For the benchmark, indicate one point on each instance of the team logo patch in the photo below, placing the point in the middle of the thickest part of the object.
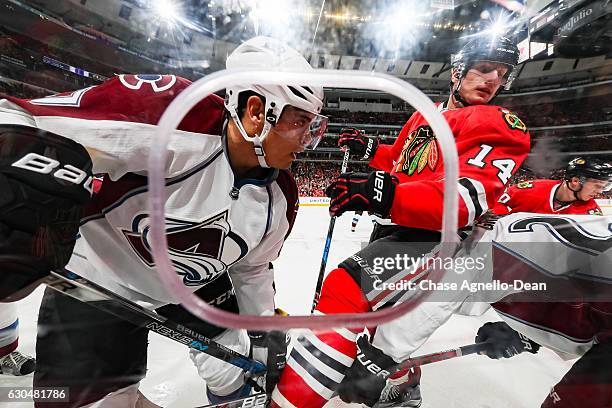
(524, 184)
(513, 121)
(420, 150)
(595, 211)
(200, 251)
(158, 83)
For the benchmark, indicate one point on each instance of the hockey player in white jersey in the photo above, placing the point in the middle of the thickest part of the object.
(231, 203)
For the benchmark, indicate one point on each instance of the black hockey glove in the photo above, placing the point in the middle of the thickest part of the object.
(504, 342)
(45, 180)
(367, 377)
(271, 349)
(371, 192)
(360, 145)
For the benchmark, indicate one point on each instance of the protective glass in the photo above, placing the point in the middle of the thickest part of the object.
(297, 123)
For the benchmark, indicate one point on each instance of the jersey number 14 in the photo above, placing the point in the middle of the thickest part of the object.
(505, 166)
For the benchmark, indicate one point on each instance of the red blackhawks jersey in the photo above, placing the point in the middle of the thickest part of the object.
(491, 141)
(539, 196)
(209, 232)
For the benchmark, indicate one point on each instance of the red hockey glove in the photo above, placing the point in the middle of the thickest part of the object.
(360, 145)
(372, 192)
(365, 380)
(504, 342)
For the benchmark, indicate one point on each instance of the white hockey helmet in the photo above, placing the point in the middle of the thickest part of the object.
(271, 54)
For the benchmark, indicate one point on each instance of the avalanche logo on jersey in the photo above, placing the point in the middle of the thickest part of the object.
(158, 83)
(200, 251)
(420, 150)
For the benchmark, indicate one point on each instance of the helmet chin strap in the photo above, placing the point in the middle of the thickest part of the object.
(257, 140)
(457, 95)
(574, 191)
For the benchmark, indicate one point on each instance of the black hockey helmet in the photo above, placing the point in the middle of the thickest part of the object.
(498, 49)
(589, 168)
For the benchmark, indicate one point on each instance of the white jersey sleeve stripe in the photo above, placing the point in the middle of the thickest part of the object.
(328, 350)
(315, 385)
(280, 399)
(474, 196)
(314, 361)
(347, 334)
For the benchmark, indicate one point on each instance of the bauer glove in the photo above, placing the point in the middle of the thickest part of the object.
(367, 377)
(503, 341)
(360, 145)
(371, 192)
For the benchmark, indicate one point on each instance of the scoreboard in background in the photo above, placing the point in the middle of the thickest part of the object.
(576, 28)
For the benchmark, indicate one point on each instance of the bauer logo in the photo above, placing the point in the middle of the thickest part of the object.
(379, 182)
(37, 163)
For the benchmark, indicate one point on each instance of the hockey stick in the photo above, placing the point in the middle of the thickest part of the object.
(442, 355)
(330, 231)
(259, 400)
(81, 289)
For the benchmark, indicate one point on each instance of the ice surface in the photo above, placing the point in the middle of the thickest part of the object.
(465, 382)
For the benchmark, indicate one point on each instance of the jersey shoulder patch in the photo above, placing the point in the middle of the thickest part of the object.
(524, 184)
(512, 120)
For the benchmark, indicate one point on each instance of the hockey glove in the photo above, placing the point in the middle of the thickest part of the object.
(269, 348)
(367, 377)
(45, 180)
(371, 192)
(360, 145)
(504, 342)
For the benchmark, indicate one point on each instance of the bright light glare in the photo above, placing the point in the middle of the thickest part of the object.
(166, 10)
(500, 25)
(270, 16)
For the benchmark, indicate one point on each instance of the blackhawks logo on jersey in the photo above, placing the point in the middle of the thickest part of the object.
(513, 121)
(420, 150)
(595, 211)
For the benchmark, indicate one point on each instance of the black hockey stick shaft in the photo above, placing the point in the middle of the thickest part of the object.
(328, 239)
(81, 289)
(442, 355)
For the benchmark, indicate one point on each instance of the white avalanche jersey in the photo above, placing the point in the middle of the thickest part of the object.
(571, 254)
(209, 233)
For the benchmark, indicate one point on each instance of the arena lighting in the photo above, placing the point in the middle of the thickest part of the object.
(270, 15)
(166, 10)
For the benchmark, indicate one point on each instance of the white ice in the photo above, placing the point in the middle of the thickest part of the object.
(464, 382)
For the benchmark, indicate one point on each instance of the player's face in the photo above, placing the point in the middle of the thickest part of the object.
(482, 81)
(592, 188)
(288, 138)
(295, 130)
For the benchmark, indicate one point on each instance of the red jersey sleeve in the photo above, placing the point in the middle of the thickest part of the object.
(504, 204)
(491, 147)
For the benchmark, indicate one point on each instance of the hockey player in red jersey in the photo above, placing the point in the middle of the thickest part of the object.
(231, 203)
(492, 142)
(584, 179)
(580, 328)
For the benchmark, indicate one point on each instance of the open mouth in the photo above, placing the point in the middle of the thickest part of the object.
(483, 92)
